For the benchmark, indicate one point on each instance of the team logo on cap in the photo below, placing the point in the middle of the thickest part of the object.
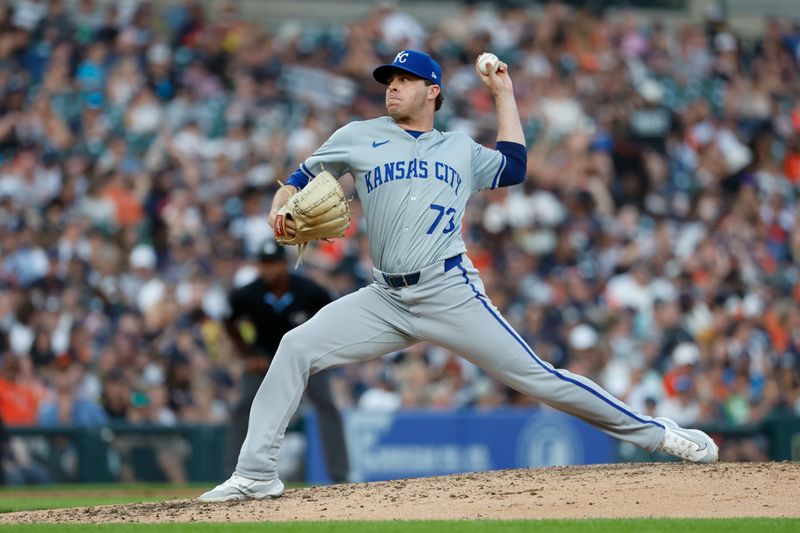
(433, 75)
(401, 57)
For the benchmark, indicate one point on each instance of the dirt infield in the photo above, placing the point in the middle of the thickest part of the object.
(679, 490)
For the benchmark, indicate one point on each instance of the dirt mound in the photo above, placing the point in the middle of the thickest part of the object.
(680, 490)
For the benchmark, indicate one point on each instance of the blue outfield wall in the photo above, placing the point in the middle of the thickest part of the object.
(428, 443)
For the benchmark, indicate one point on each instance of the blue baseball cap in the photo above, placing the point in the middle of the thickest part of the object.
(417, 63)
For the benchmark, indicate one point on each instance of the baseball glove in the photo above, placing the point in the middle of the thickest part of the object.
(319, 211)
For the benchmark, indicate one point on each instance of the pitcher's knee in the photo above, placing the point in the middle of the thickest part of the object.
(294, 347)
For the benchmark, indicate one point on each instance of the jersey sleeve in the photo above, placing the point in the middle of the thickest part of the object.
(487, 165)
(333, 155)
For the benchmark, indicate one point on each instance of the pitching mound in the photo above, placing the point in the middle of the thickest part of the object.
(679, 490)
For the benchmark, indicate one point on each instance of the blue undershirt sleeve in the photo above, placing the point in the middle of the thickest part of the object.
(298, 179)
(516, 163)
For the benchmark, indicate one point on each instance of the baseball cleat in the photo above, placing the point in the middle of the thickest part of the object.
(241, 488)
(688, 444)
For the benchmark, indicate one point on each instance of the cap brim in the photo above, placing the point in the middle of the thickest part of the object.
(384, 72)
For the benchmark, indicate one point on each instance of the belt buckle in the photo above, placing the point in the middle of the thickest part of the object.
(398, 281)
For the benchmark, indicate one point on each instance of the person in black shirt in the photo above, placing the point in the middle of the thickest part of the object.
(276, 302)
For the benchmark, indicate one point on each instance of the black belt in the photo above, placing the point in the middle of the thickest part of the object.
(398, 281)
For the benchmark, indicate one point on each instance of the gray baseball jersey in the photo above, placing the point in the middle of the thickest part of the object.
(414, 191)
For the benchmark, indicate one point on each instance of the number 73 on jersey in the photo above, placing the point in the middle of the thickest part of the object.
(441, 212)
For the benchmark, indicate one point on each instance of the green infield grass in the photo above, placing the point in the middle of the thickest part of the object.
(30, 497)
(649, 525)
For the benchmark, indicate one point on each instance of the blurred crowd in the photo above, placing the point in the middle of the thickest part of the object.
(654, 246)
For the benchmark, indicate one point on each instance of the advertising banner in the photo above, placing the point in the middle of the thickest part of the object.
(407, 444)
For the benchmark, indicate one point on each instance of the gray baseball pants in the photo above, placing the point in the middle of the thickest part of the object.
(329, 419)
(448, 307)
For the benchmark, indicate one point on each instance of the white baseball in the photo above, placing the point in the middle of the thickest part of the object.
(488, 57)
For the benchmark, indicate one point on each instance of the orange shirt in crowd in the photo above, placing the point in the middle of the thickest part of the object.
(791, 167)
(19, 404)
(129, 210)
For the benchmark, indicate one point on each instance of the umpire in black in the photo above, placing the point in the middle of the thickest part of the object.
(276, 302)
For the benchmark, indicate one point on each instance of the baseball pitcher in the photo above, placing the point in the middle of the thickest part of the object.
(414, 183)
